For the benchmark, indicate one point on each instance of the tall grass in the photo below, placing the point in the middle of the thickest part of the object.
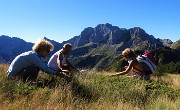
(163, 103)
(171, 80)
(90, 90)
(3, 68)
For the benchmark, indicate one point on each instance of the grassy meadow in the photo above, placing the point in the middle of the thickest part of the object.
(91, 90)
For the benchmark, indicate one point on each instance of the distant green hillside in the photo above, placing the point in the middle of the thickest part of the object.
(176, 45)
(98, 57)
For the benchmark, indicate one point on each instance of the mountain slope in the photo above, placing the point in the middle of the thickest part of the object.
(12, 47)
(176, 45)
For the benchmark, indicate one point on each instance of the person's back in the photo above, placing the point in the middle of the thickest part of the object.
(147, 64)
(21, 61)
(60, 59)
(53, 63)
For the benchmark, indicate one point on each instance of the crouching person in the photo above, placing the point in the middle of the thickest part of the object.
(139, 69)
(60, 60)
(26, 66)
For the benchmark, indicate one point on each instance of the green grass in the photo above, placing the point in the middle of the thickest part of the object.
(91, 90)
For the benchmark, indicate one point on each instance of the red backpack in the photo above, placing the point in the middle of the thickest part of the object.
(152, 58)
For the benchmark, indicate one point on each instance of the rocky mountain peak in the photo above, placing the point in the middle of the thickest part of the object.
(166, 42)
(103, 26)
(113, 35)
(87, 31)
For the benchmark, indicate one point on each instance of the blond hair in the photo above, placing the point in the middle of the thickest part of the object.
(128, 52)
(42, 45)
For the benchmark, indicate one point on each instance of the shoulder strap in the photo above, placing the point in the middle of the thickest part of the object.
(134, 67)
(143, 60)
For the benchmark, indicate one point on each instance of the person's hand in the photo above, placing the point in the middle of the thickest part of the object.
(82, 71)
(65, 71)
(111, 74)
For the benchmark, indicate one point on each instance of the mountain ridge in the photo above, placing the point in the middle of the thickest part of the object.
(96, 45)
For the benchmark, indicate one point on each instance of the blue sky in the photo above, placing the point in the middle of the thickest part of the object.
(61, 20)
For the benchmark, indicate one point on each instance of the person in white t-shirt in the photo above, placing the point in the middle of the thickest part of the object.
(59, 60)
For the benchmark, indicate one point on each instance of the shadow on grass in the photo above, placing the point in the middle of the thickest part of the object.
(81, 91)
(78, 90)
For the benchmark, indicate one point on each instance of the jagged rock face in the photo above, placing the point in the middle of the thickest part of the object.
(108, 34)
(74, 41)
(138, 35)
(102, 33)
(166, 42)
(85, 36)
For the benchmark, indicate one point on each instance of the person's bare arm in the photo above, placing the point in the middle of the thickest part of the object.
(59, 61)
(128, 68)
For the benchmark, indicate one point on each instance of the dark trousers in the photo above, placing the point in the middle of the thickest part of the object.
(28, 74)
(66, 68)
(146, 75)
